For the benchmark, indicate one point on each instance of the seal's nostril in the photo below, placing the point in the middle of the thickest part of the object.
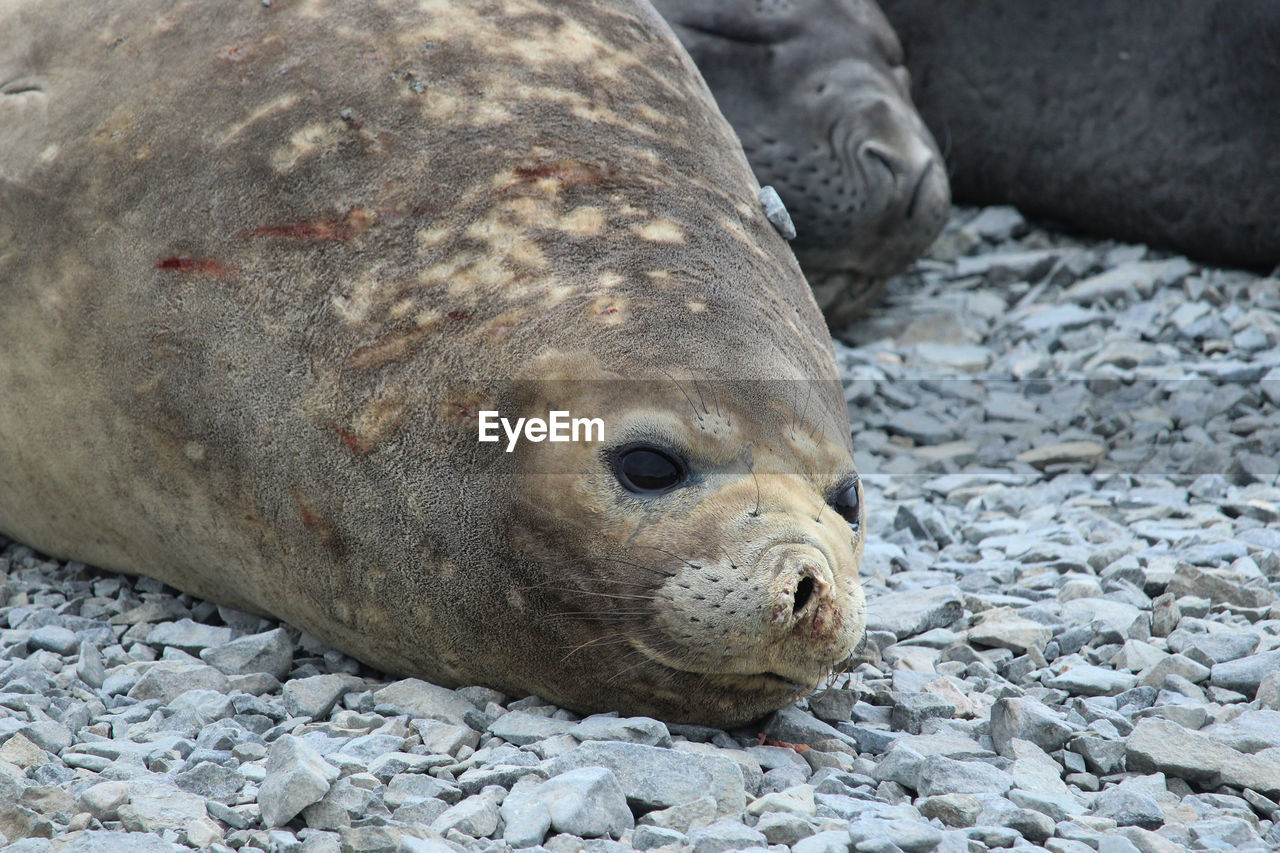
(881, 157)
(804, 591)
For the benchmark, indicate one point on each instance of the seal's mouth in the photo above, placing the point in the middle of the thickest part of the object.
(767, 681)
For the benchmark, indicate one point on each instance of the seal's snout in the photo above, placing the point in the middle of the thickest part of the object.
(899, 156)
(802, 586)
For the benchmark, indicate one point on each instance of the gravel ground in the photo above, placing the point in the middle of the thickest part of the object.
(1069, 450)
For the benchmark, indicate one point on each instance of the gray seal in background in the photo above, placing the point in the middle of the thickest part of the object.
(1153, 121)
(818, 94)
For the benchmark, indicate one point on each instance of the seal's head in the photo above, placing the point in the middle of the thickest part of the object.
(705, 553)
(818, 93)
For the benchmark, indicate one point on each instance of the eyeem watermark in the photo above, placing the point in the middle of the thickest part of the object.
(558, 426)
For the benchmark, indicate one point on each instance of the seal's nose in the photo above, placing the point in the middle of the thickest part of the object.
(908, 164)
(803, 593)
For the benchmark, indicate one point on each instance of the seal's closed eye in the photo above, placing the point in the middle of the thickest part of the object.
(648, 470)
(848, 503)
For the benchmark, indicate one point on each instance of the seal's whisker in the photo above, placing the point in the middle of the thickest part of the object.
(607, 640)
(684, 393)
(671, 555)
(751, 466)
(620, 595)
(715, 400)
(638, 566)
(697, 390)
(805, 411)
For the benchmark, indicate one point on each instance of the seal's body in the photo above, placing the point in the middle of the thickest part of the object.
(262, 267)
(818, 93)
(1155, 122)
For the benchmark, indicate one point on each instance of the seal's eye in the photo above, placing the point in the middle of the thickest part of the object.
(648, 470)
(848, 504)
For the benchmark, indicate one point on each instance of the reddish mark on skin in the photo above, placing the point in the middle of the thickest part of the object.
(797, 747)
(309, 519)
(568, 173)
(353, 222)
(352, 441)
(612, 309)
(199, 266)
(459, 316)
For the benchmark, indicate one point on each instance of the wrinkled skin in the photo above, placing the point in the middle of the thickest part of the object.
(1146, 121)
(261, 267)
(819, 96)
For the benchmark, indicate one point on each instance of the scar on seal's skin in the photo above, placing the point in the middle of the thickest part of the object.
(353, 222)
(199, 266)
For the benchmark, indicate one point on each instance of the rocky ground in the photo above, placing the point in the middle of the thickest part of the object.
(1070, 454)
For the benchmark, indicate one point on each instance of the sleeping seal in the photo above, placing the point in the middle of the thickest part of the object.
(1152, 122)
(262, 269)
(819, 95)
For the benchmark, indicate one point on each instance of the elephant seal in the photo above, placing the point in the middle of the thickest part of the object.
(1148, 121)
(818, 94)
(262, 269)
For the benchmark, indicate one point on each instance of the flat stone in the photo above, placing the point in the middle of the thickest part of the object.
(111, 841)
(1218, 586)
(796, 800)
(477, 816)
(905, 614)
(997, 223)
(49, 735)
(1003, 628)
(643, 730)
(942, 775)
(315, 696)
(910, 710)
(829, 841)
(908, 835)
(1063, 453)
(444, 738)
(53, 638)
(587, 802)
(104, 799)
(1087, 680)
(1128, 808)
(188, 635)
(297, 776)
(211, 781)
(952, 809)
(684, 817)
(920, 426)
(153, 808)
(725, 835)
(270, 652)
(1251, 731)
(656, 778)
(1245, 674)
(522, 727)
(784, 827)
(653, 837)
(1159, 745)
(1125, 619)
(1026, 719)
(21, 751)
(168, 681)
(421, 699)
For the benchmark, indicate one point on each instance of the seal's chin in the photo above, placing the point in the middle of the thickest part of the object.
(755, 682)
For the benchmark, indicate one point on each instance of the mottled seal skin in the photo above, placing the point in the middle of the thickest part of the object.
(1142, 121)
(260, 268)
(818, 94)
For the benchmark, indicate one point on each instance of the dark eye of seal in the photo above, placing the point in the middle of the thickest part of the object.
(848, 504)
(648, 470)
